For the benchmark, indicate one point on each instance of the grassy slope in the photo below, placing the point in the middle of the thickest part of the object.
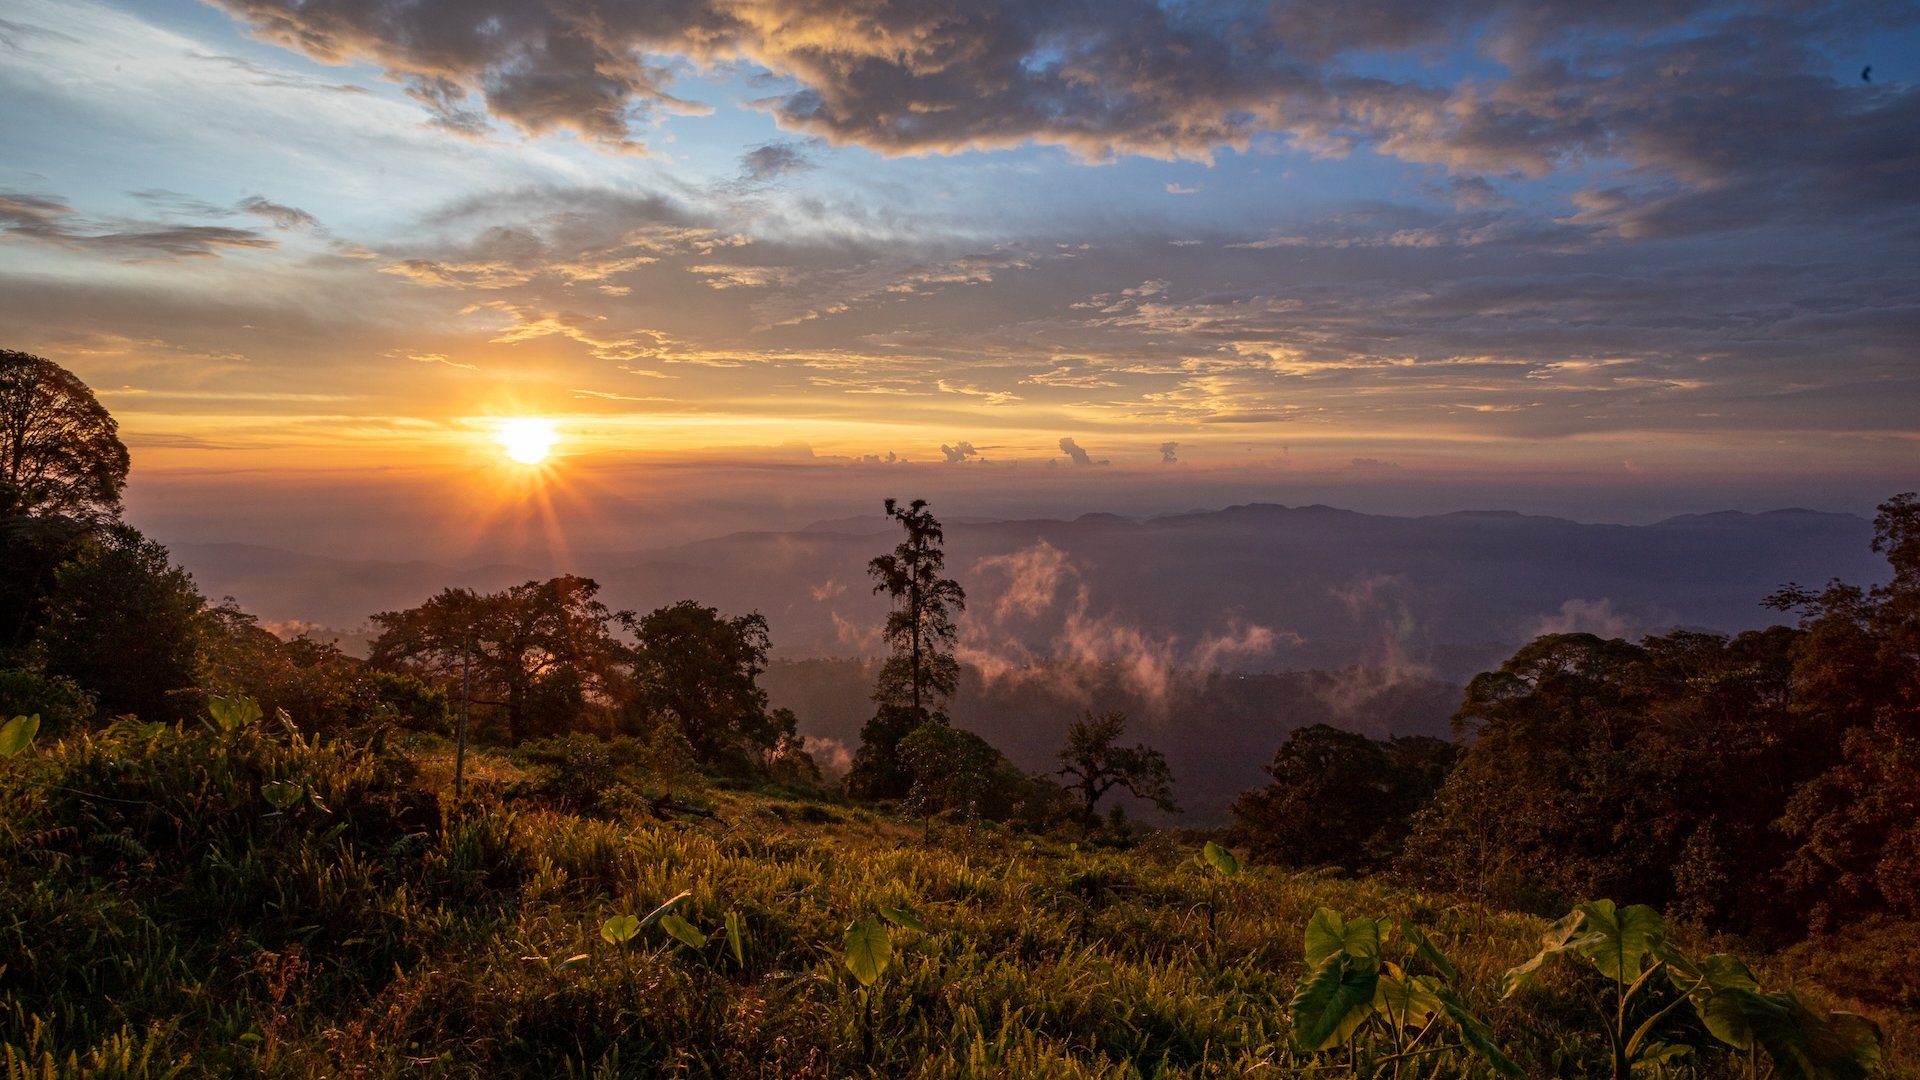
(155, 914)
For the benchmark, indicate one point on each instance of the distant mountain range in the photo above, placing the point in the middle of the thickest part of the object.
(1218, 632)
(1249, 588)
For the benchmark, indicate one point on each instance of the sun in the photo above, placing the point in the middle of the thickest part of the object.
(528, 439)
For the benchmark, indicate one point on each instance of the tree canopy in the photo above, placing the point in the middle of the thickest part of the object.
(1094, 765)
(541, 653)
(60, 450)
(698, 670)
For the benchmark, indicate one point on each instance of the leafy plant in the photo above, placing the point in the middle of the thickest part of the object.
(1354, 997)
(868, 953)
(1224, 865)
(230, 714)
(620, 929)
(17, 734)
(1629, 947)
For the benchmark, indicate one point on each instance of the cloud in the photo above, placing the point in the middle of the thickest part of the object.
(1176, 189)
(956, 455)
(1577, 616)
(775, 159)
(1695, 100)
(51, 221)
(281, 217)
(1167, 453)
(1077, 455)
(1042, 585)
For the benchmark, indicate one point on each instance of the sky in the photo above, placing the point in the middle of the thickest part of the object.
(762, 262)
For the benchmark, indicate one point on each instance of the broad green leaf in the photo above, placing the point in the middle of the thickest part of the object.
(1403, 1000)
(1561, 936)
(232, 713)
(661, 911)
(1802, 1044)
(1476, 1034)
(1220, 859)
(869, 950)
(1618, 941)
(619, 929)
(737, 937)
(682, 931)
(282, 794)
(1333, 1001)
(903, 918)
(1327, 934)
(1428, 951)
(17, 734)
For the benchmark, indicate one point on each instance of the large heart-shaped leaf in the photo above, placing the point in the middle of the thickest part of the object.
(1327, 934)
(1406, 1001)
(869, 950)
(1220, 859)
(1618, 941)
(682, 931)
(232, 713)
(1803, 1044)
(619, 929)
(17, 734)
(1333, 1001)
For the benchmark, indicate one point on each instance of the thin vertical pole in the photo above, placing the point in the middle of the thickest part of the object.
(460, 740)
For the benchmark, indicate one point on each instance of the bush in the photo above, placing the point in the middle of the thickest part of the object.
(60, 703)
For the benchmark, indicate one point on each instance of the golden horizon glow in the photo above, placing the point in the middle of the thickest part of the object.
(528, 440)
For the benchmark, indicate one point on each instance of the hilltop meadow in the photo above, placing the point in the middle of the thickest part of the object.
(528, 834)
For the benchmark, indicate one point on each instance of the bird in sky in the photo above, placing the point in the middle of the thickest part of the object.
(1866, 73)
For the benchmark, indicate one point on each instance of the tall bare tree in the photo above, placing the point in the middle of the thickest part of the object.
(922, 671)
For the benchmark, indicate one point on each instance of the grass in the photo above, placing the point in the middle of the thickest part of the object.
(159, 918)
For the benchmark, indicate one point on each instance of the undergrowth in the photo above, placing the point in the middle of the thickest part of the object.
(240, 900)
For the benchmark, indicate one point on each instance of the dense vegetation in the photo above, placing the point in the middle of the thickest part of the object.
(229, 854)
(234, 898)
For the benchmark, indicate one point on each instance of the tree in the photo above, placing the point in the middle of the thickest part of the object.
(922, 670)
(541, 653)
(699, 670)
(60, 450)
(317, 684)
(953, 771)
(128, 626)
(1857, 676)
(1096, 766)
(1340, 798)
(32, 550)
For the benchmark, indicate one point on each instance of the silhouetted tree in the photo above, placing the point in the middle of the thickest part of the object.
(1340, 798)
(1857, 672)
(32, 548)
(699, 670)
(128, 626)
(953, 771)
(60, 450)
(922, 671)
(541, 652)
(320, 687)
(1095, 766)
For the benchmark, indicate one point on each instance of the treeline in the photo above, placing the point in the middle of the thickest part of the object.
(1763, 783)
